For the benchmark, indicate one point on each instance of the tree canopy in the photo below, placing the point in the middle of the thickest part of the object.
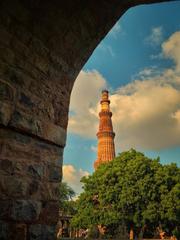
(66, 194)
(132, 190)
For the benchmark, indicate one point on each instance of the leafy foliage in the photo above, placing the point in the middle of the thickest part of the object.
(132, 190)
(66, 203)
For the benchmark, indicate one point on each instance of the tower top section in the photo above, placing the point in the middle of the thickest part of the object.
(105, 90)
(105, 101)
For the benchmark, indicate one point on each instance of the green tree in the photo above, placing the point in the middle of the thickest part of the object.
(66, 202)
(131, 190)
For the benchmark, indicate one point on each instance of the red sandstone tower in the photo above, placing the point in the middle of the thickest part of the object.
(105, 135)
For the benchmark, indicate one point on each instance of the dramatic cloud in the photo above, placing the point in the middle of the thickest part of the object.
(73, 176)
(147, 73)
(171, 49)
(84, 99)
(146, 112)
(146, 115)
(156, 36)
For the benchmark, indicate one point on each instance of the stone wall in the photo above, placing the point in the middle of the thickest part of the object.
(34, 99)
(28, 184)
(43, 46)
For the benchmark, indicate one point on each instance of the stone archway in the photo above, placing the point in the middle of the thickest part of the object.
(43, 46)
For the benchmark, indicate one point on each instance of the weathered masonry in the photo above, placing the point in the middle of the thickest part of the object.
(43, 46)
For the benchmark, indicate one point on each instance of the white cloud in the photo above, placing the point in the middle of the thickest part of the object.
(146, 115)
(84, 99)
(72, 177)
(147, 73)
(156, 56)
(155, 37)
(171, 49)
(146, 112)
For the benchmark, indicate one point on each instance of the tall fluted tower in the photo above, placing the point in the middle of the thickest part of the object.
(105, 135)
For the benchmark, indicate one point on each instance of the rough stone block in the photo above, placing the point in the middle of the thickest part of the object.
(50, 212)
(18, 232)
(6, 111)
(42, 64)
(18, 137)
(40, 128)
(54, 174)
(36, 171)
(5, 209)
(59, 160)
(33, 187)
(4, 231)
(12, 186)
(50, 154)
(26, 100)
(19, 167)
(7, 166)
(25, 122)
(26, 210)
(7, 54)
(6, 91)
(49, 191)
(54, 133)
(42, 232)
(54, 191)
(5, 36)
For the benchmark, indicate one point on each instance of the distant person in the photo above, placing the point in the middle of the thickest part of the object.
(162, 234)
(173, 238)
(131, 235)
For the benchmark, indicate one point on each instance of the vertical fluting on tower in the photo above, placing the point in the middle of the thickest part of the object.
(105, 135)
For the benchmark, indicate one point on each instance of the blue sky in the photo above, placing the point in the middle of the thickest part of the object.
(139, 62)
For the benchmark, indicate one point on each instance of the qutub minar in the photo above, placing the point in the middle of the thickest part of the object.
(105, 135)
